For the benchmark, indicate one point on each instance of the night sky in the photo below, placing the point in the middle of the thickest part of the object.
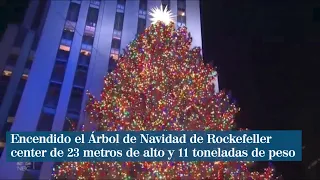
(266, 54)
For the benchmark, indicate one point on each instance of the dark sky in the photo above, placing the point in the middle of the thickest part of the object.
(11, 11)
(267, 55)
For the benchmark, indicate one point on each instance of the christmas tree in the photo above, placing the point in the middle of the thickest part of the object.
(161, 84)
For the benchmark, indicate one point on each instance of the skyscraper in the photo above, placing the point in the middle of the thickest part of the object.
(78, 43)
(18, 47)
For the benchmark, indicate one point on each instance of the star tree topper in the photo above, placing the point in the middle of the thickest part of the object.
(161, 14)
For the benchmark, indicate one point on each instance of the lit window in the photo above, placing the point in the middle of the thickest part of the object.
(114, 51)
(95, 3)
(181, 17)
(7, 73)
(89, 30)
(10, 119)
(64, 48)
(120, 8)
(117, 34)
(25, 76)
(70, 26)
(76, 1)
(181, 13)
(142, 14)
(114, 56)
(85, 52)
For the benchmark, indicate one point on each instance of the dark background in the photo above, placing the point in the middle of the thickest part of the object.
(267, 55)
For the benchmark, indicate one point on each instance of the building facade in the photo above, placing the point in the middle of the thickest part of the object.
(73, 55)
(18, 47)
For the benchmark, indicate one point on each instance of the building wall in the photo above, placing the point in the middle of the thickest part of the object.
(73, 54)
(17, 47)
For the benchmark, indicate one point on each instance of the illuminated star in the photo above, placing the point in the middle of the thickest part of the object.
(161, 14)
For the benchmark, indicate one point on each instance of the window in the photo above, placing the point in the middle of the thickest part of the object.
(53, 94)
(181, 24)
(67, 34)
(95, 3)
(121, 2)
(115, 44)
(92, 17)
(10, 119)
(7, 73)
(25, 76)
(89, 31)
(63, 52)
(181, 12)
(58, 71)
(143, 4)
(45, 122)
(64, 48)
(73, 12)
(75, 101)
(116, 34)
(70, 26)
(141, 25)
(12, 60)
(86, 47)
(118, 23)
(166, 3)
(87, 40)
(181, 4)
(22, 33)
(114, 53)
(84, 58)
(112, 65)
(80, 77)
(120, 6)
(142, 14)
(181, 17)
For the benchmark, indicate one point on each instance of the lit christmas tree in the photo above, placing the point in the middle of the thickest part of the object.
(161, 84)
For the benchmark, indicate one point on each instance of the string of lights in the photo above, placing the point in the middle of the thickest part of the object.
(160, 84)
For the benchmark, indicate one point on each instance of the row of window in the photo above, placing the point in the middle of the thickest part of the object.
(59, 69)
(143, 4)
(181, 15)
(117, 32)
